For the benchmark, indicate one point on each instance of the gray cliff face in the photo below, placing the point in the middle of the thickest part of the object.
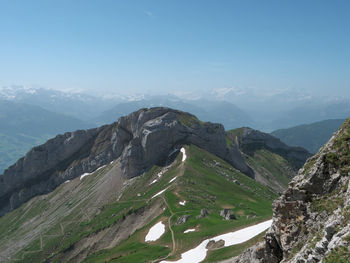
(311, 218)
(157, 132)
(141, 140)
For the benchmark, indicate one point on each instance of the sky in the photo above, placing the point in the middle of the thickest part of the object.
(164, 46)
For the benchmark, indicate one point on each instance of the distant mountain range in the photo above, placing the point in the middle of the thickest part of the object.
(233, 107)
(305, 114)
(78, 105)
(309, 136)
(33, 115)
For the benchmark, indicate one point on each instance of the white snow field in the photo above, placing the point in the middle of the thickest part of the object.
(172, 180)
(159, 193)
(103, 166)
(86, 174)
(183, 154)
(155, 232)
(154, 181)
(199, 253)
(83, 175)
(189, 230)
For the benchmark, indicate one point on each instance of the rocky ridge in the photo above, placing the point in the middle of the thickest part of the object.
(142, 139)
(273, 162)
(311, 218)
(250, 140)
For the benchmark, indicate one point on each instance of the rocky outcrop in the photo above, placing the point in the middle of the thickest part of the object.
(227, 214)
(311, 218)
(141, 140)
(182, 219)
(250, 140)
(212, 244)
(204, 212)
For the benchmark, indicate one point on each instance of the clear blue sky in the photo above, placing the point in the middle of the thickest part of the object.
(163, 45)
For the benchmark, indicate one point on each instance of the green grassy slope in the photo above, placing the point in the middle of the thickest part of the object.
(203, 181)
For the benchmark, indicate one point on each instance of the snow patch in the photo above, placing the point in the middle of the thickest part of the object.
(155, 232)
(189, 230)
(183, 154)
(67, 181)
(159, 193)
(84, 175)
(103, 166)
(172, 180)
(199, 253)
(182, 203)
(154, 181)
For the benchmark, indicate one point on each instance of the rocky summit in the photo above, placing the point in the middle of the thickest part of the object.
(311, 218)
(142, 139)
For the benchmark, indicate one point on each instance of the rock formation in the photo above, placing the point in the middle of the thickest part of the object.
(182, 219)
(250, 140)
(311, 218)
(142, 139)
(227, 214)
(204, 212)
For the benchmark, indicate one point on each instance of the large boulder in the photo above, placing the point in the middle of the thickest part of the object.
(227, 214)
(182, 219)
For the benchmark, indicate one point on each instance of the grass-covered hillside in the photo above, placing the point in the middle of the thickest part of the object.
(105, 218)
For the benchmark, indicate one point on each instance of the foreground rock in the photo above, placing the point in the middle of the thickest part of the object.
(141, 140)
(311, 218)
